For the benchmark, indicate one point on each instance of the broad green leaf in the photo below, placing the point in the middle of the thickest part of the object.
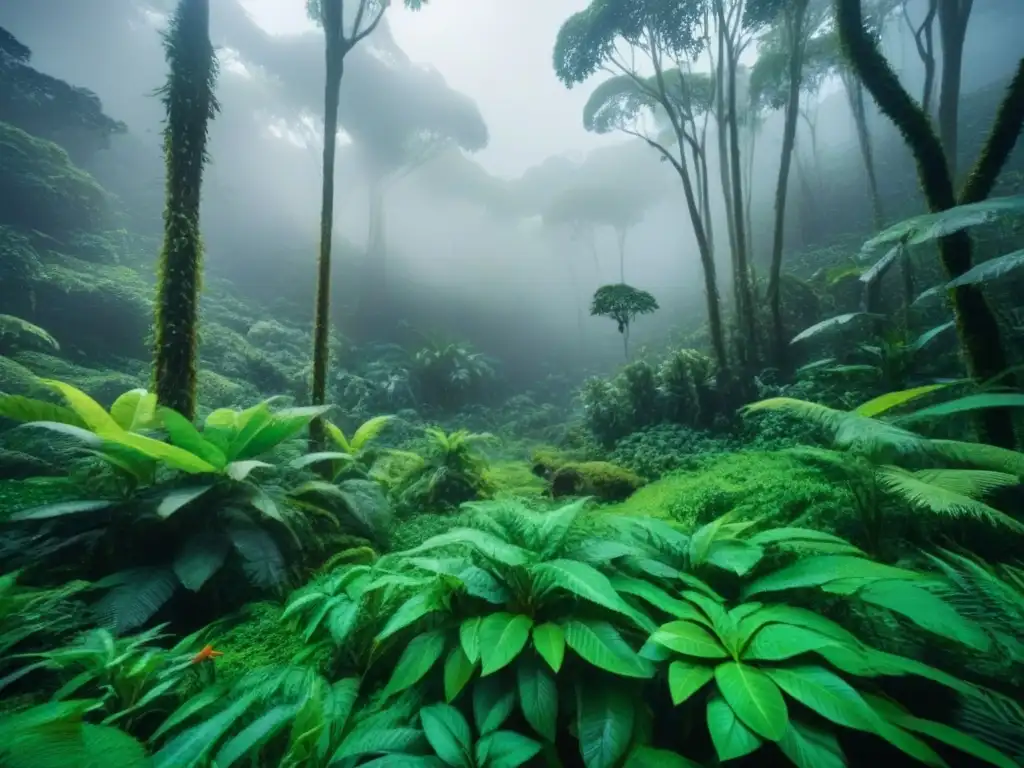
(739, 557)
(469, 637)
(605, 716)
(538, 697)
(367, 431)
(239, 471)
(493, 702)
(600, 644)
(448, 733)
(192, 746)
(821, 569)
(416, 660)
(549, 640)
(657, 597)
(338, 437)
(88, 410)
(755, 699)
(926, 610)
(184, 435)
(314, 458)
(200, 558)
(174, 500)
(890, 400)
(990, 270)
(689, 639)
(968, 404)
(778, 642)
(809, 747)
(411, 611)
(134, 410)
(370, 737)
(505, 749)
(931, 226)
(59, 509)
(686, 678)
(171, 455)
(458, 670)
(27, 410)
(826, 326)
(827, 694)
(486, 544)
(732, 739)
(502, 638)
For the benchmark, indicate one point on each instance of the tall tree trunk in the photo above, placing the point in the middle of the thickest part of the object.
(924, 41)
(953, 18)
(976, 324)
(322, 316)
(747, 320)
(855, 98)
(795, 15)
(188, 97)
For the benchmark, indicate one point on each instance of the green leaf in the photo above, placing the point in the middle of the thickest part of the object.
(655, 596)
(469, 637)
(689, 639)
(755, 699)
(505, 749)
(810, 747)
(59, 509)
(458, 670)
(416, 660)
(990, 270)
(549, 640)
(686, 678)
(193, 745)
(538, 697)
(488, 545)
(926, 610)
(493, 703)
(732, 739)
(890, 400)
(184, 435)
(314, 458)
(821, 569)
(135, 410)
(502, 638)
(200, 558)
(600, 644)
(448, 733)
(605, 719)
(411, 611)
(968, 404)
(778, 642)
(248, 741)
(88, 410)
(175, 499)
(827, 694)
(28, 410)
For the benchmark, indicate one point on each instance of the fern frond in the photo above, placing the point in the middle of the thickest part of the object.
(996, 719)
(981, 455)
(967, 482)
(369, 430)
(920, 493)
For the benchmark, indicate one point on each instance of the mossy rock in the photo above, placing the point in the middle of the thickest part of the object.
(601, 479)
(755, 485)
(414, 530)
(17, 379)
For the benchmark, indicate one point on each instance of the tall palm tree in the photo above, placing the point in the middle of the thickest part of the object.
(188, 96)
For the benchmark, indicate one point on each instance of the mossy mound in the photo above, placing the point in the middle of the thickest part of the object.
(756, 485)
(104, 385)
(260, 639)
(16, 379)
(217, 391)
(601, 479)
(514, 478)
(415, 529)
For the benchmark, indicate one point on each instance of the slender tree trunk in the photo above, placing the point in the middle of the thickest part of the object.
(188, 97)
(322, 316)
(855, 98)
(953, 18)
(924, 41)
(747, 320)
(795, 29)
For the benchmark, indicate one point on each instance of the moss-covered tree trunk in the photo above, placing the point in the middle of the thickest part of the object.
(322, 315)
(976, 324)
(188, 97)
(794, 18)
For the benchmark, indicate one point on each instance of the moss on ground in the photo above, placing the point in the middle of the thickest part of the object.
(756, 485)
(514, 478)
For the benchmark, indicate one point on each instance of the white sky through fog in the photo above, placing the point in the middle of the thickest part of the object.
(499, 53)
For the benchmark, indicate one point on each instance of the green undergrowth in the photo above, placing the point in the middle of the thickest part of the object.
(766, 486)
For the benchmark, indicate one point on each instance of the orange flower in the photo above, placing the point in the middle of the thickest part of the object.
(207, 654)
